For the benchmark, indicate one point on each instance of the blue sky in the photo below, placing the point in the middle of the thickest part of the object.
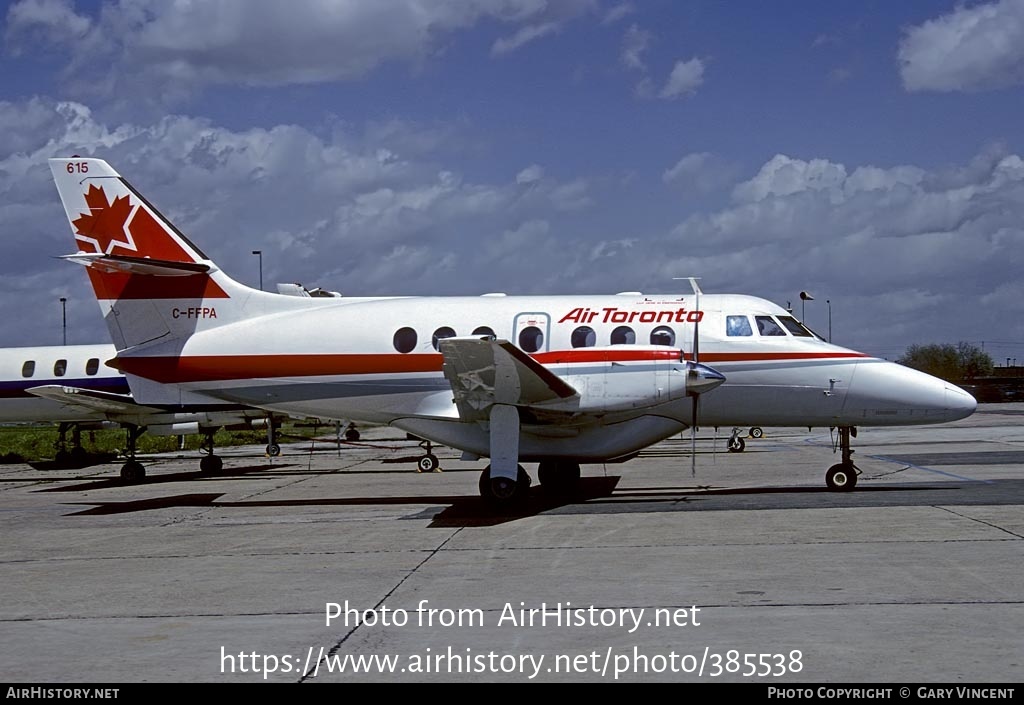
(867, 152)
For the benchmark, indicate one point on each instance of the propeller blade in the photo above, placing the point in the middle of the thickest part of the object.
(693, 438)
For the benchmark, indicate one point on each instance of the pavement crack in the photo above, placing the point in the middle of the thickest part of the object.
(982, 521)
(334, 649)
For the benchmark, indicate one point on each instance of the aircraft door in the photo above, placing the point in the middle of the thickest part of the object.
(532, 332)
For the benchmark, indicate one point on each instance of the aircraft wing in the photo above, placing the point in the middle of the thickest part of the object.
(484, 372)
(91, 400)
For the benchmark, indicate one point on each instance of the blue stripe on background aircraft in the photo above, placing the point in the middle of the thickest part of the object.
(557, 380)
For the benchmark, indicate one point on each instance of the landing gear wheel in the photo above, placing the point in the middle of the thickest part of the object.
(736, 445)
(273, 450)
(351, 435)
(428, 463)
(501, 491)
(841, 478)
(133, 471)
(211, 464)
(559, 478)
(756, 432)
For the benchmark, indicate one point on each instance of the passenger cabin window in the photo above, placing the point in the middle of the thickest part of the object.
(623, 335)
(440, 334)
(92, 366)
(584, 337)
(663, 335)
(795, 327)
(29, 368)
(738, 326)
(766, 325)
(405, 340)
(531, 339)
(484, 330)
(59, 368)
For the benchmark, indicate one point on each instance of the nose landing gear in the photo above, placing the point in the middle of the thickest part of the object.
(842, 477)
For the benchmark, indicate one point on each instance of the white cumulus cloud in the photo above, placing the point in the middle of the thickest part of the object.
(972, 48)
(685, 79)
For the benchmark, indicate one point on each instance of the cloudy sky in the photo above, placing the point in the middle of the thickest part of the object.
(867, 152)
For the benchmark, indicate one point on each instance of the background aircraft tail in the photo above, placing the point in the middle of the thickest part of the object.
(153, 285)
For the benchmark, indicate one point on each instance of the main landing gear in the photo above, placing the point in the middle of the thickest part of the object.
(842, 477)
(211, 463)
(502, 491)
(273, 449)
(560, 479)
(76, 456)
(132, 471)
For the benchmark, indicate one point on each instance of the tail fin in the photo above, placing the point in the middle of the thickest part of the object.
(151, 282)
(108, 216)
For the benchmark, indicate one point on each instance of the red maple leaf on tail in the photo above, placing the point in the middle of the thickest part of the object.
(105, 222)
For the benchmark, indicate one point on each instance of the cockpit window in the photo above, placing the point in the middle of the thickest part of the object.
(766, 325)
(795, 327)
(737, 325)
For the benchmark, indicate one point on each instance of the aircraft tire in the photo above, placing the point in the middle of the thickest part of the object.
(841, 478)
(133, 471)
(352, 435)
(427, 463)
(273, 450)
(756, 432)
(503, 492)
(737, 445)
(211, 465)
(559, 478)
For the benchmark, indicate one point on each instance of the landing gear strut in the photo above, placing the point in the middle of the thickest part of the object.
(132, 471)
(211, 463)
(842, 477)
(736, 444)
(429, 461)
(273, 449)
(77, 455)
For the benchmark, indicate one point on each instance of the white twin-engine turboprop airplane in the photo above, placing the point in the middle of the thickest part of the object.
(559, 380)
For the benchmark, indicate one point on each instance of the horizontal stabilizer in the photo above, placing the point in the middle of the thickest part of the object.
(122, 264)
(484, 372)
(90, 399)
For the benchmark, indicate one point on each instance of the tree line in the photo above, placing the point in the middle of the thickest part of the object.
(953, 363)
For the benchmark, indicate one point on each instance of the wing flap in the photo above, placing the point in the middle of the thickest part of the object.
(483, 372)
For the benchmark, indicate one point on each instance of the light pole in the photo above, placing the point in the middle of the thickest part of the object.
(260, 253)
(64, 317)
(804, 298)
(828, 302)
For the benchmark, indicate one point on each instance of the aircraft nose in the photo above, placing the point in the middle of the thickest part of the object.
(701, 378)
(959, 404)
(886, 393)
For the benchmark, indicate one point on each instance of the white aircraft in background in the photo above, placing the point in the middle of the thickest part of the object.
(70, 386)
(558, 380)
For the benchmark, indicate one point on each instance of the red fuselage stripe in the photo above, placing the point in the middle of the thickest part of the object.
(210, 368)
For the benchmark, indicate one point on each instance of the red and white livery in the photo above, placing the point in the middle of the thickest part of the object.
(558, 380)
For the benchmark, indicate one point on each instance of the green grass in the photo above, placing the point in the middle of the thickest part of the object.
(23, 443)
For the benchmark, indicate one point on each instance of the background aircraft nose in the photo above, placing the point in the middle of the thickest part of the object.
(887, 394)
